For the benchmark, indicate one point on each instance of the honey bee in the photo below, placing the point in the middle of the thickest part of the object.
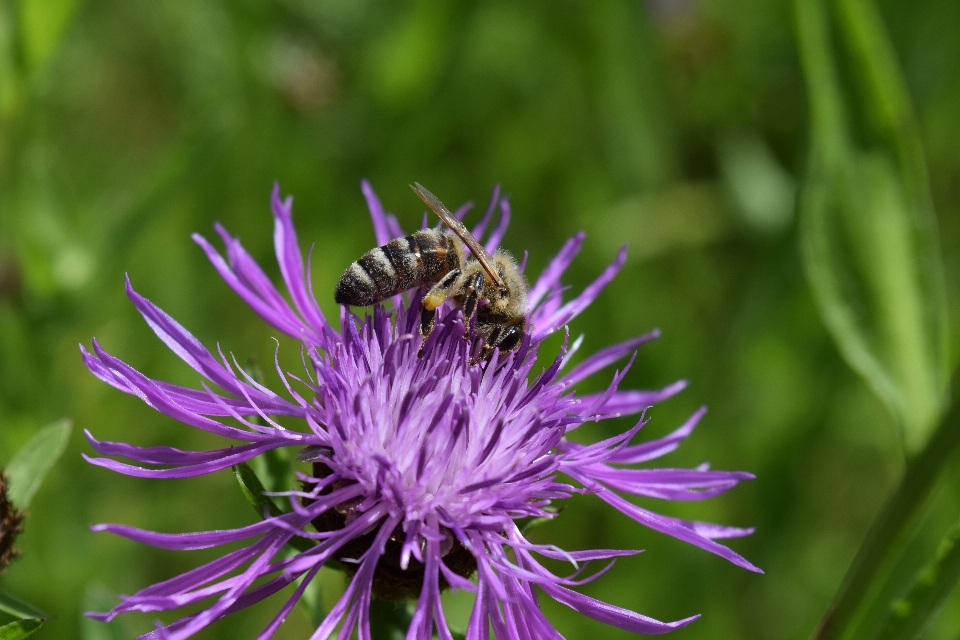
(490, 288)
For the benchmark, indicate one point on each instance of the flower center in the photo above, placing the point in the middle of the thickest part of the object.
(390, 581)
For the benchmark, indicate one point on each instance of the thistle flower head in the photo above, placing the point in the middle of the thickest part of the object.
(422, 468)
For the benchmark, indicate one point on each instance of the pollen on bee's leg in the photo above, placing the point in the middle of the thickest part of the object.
(432, 300)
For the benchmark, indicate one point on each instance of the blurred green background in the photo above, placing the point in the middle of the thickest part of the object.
(677, 126)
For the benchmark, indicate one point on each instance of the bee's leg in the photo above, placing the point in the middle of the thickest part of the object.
(489, 341)
(509, 338)
(426, 327)
(506, 339)
(472, 292)
(433, 299)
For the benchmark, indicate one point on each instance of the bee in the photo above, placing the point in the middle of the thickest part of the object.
(489, 288)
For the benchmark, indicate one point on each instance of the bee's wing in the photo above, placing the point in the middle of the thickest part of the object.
(458, 228)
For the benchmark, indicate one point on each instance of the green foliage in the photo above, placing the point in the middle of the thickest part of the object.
(20, 629)
(34, 459)
(253, 490)
(19, 609)
(274, 465)
(894, 546)
(42, 26)
(869, 236)
(911, 615)
(872, 255)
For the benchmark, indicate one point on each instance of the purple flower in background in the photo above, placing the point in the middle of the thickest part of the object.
(422, 468)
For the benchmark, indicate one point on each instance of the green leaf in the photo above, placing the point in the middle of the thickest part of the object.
(911, 614)
(528, 524)
(42, 25)
(253, 489)
(31, 463)
(18, 608)
(274, 467)
(868, 230)
(20, 629)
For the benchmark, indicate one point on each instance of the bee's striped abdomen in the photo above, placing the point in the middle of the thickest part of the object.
(401, 264)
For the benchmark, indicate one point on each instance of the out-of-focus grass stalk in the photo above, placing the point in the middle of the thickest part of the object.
(871, 251)
(921, 350)
(892, 528)
(912, 613)
(869, 234)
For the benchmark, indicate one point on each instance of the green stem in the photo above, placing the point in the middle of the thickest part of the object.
(911, 615)
(896, 520)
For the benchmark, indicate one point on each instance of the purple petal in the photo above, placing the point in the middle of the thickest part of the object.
(192, 351)
(581, 556)
(679, 529)
(291, 265)
(579, 455)
(625, 403)
(657, 448)
(278, 619)
(566, 313)
(377, 214)
(164, 455)
(236, 456)
(210, 404)
(228, 599)
(606, 357)
(203, 574)
(360, 584)
(279, 316)
(429, 609)
(609, 614)
(481, 226)
(155, 397)
(187, 541)
(550, 278)
(496, 236)
(667, 484)
(716, 531)
(523, 617)
(248, 272)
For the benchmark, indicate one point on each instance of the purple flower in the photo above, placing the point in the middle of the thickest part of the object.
(423, 468)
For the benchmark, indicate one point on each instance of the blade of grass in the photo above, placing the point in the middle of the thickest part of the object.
(20, 629)
(18, 608)
(888, 112)
(911, 615)
(893, 525)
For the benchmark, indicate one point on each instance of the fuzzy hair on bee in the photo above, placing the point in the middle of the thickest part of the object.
(491, 289)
